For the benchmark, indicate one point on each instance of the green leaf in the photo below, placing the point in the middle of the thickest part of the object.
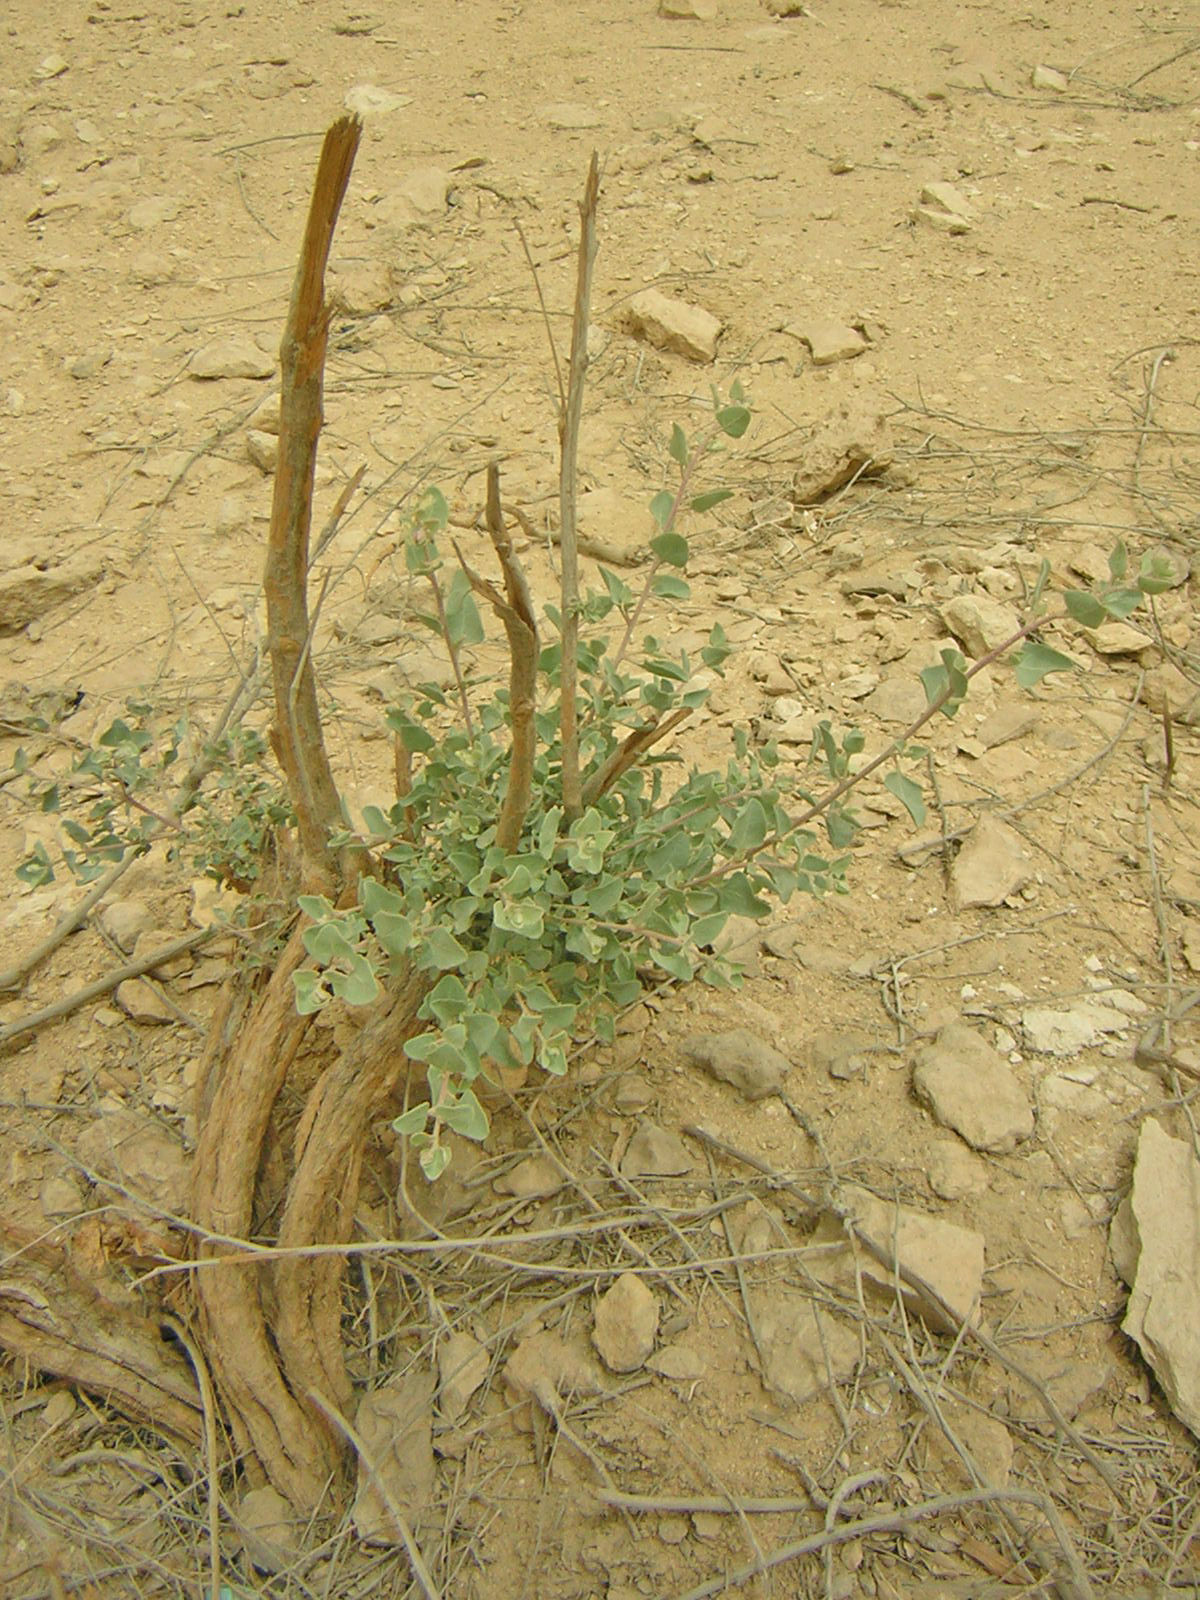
(733, 420)
(1118, 561)
(462, 614)
(908, 793)
(708, 929)
(1036, 660)
(1156, 574)
(713, 497)
(552, 1058)
(412, 736)
(1083, 607)
(448, 999)
(673, 962)
(662, 506)
(738, 898)
(37, 868)
(434, 1159)
(678, 448)
(413, 1120)
(466, 1116)
(1043, 577)
(619, 591)
(840, 827)
(440, 950)
(1121, 603)
(359, 986)
(749, 830)
(666, 586)
(309, 994)
(520, 917)
(671, 548)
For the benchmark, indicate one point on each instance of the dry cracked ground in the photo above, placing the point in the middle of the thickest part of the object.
(951, 254)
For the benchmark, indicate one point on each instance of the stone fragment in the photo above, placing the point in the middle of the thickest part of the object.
(945, 197)
(1065, 1031)
(140, 1004)
(463, 1365)
(653, 1152)
(1072, 1382)
(59, 1196)
(152, 939)
(1163, 1228)
(28, 592)
(947, 1258)
(968, 1086)
(679, 1362)
(535, 1178)
(51, 66)
(230, 356)
(1166, 687)
(419, 196)
(124, 921)
(262, 449)
(985, 1439)
(369, 100)
(897, 701)
(739, 1057)
(685, 10)
(89, 363)
(570, 117)
(626, 1324)
(395, 1423)
(855, 441)
(1191, 945)
(674, 325)
(1049, 78)
(954, 1173)
(1117, 639)
(841, 1055)
(272, 1534)
(804, 1349)
(632, 1095)
(828, 339)
(544, 1368)
(979, 623)
(139, 1154)
(1005, 723)
(992, 864)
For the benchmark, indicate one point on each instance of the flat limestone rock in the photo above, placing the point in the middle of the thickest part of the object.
(854, 442)
(803, 1348)
(971, 1088)
(654, 1152)
(463, 1365)
(948, 1258)
(626, 1324)
(1162, 1223)
(231, 357)
(675, 325)
(828, 339)
(754, 1068)
(138, 1153)
(979, 623)
(395, 1423)
(992, 864)
(28, 592)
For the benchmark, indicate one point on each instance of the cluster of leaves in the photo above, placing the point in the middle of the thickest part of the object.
(524, 949)
(107, 803)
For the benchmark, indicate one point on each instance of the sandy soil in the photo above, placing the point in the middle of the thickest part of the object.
(1037, 371)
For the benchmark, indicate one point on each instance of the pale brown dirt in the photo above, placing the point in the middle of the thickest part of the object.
(155, 200)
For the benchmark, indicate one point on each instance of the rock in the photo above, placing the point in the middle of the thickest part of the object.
(544, 1367)
(152, 939)
(754, 1068)
(231, 356)
(89, 363)
(876, 582)
(262, 449)
(59, 1196)
(1163, 1224)
(626, 1324)
(419, 196)
(1006, 723)
(1071, 1381)
(29, 592)
(673, 325)
(1054, 1031)
(655, 1153)
(124, 921)
(992, 865)
(463, 1365)
(632, 1095)
(1167, 687)
(954, 1173)
(369, 100)
(1191, 945)
(948, 1258)
(1117, 639)
(828, 339)
(679, 1362)
(51, 66)
(841, 1055)
(968, 1086)
(979, 623)
(272, 1534)
(140, 1004)
(803, 1348)
(395, 1423)
(535, 1178)
(897, 701)
(1049, 78)
(944, 197)
(613, 527)
(854, 442)
(569, 117)
(139, 1154)
(700, 10)
(985, 1439)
